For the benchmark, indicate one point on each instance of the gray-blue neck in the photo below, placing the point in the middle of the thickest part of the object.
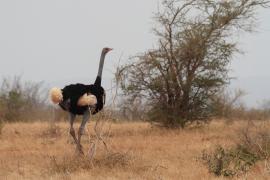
(101, 64)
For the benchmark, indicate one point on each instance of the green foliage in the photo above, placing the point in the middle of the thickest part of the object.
(253, 147)
(230, 162)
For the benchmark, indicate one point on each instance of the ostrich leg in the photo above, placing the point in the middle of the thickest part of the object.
(72, 131)
(86, 117)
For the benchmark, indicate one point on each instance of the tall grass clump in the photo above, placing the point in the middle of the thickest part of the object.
(69, 164)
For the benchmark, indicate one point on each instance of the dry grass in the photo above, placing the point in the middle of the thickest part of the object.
(136, 151)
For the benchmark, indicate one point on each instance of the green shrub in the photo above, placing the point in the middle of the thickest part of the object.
(253, 146)
(230, 162)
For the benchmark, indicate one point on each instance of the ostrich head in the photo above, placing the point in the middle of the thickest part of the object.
(106, 50)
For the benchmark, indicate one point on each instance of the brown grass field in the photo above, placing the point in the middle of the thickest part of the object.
(136, 151)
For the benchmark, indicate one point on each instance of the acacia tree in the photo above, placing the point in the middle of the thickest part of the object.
(190, 62)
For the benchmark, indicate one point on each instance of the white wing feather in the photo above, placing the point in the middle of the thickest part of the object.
(87, 100)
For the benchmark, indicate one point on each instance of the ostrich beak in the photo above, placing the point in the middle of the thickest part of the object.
(110, 49)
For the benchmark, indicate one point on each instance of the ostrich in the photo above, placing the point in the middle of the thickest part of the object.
(80, 99)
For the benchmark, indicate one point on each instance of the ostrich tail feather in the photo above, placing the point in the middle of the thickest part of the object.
(56, 95)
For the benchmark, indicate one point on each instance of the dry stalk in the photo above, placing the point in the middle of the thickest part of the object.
(99, 127)
(99, 137)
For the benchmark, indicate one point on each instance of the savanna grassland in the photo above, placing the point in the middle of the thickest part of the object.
(135, 151)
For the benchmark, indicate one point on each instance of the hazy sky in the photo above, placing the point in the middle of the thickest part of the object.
(59, 41)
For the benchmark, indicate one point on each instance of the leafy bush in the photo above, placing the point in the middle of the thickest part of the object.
(230, 162)
(21, 100)
(253, 146)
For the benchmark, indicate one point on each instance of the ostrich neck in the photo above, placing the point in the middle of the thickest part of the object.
(101, 63)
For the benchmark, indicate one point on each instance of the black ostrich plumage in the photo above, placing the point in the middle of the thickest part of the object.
(73, 92)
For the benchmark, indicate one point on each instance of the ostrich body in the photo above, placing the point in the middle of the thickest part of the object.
(72, 93)
(70, 96)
